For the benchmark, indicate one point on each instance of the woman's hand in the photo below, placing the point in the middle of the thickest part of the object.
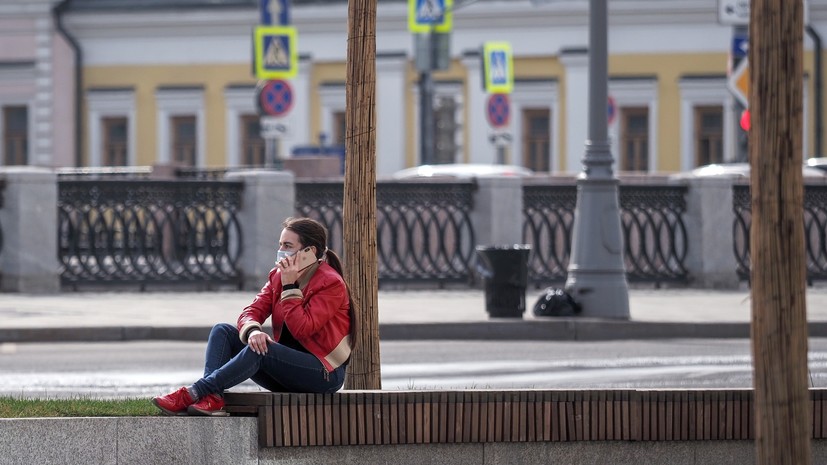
(289, 269)
(258, 341)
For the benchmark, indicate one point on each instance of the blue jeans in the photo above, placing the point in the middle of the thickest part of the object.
(282, 369)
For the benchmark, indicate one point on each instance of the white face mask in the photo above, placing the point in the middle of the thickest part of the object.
(282, 254)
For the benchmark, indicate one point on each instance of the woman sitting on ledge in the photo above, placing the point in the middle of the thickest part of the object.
(313, 329)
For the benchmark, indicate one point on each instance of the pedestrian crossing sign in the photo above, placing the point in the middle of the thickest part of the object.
(430, 15)
(497, 68)
(276, 52)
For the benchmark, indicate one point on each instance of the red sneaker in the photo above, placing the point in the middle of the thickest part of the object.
(210, 405)
(174, 403)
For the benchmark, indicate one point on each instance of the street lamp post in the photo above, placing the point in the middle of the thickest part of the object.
(428, 62)
(596, 274)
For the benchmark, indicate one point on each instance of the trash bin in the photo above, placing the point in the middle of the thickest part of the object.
(505, 271)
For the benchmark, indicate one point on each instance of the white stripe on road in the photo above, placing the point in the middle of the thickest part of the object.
(680, 371)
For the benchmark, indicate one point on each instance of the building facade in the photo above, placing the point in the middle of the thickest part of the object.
(170, 82)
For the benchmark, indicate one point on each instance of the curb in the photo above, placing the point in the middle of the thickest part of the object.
(568, 329)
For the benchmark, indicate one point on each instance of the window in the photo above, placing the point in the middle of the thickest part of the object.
(180, 126)
(183, 140)
(699, 92)
(633, 133)
(536, 138)
(115, 140)
(534, 104)
(709, 134)
(15, 135)
(634, 137)
(252, 145)
(111, 116)
(445, 129)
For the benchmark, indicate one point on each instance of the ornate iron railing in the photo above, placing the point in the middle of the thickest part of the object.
(815, 230)
(142, 232)
(655, 241)
(654, 234)
(424, 230)
(548, 219)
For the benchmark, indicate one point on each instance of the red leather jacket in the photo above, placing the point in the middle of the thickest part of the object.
(317, 314)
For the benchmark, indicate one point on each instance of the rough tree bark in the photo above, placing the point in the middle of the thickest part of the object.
(359, 208)
(778, 274)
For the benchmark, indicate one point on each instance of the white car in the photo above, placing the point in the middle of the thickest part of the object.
(462, 170)
(739, 170)
(818, 163)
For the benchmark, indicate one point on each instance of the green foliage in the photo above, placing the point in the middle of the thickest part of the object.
(11, 407)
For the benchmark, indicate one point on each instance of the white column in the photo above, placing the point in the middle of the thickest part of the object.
(43, 130)
(577, 106)
(479, 148)
(298, 119)
(391, 73)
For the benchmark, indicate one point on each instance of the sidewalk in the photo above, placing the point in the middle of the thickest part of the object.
(420, 314)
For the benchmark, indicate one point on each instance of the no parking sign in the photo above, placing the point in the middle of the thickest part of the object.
(498, 110)
(275, 98)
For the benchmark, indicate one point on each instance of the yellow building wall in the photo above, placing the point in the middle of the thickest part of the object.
(146, 79)
(667, 68)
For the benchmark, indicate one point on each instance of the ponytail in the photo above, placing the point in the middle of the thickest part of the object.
(336, 263)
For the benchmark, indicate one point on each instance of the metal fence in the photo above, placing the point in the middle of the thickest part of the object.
(654, 233)
(548, 219)
(815, 230)
(424, 229)
(142, 232)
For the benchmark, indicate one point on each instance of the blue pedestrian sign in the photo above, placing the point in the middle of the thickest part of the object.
(497, 68)
(276, 54)
(430, 15)
(274, 12)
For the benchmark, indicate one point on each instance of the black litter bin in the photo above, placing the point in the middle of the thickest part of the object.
(505, 271)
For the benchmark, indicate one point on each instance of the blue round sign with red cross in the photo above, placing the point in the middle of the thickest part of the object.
(275, 98)
(498, 110)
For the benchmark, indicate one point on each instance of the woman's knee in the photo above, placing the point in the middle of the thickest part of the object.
(224, 330)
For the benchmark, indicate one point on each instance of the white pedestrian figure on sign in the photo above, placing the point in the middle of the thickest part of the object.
(430, 10)
(276, 55)
(498, 68)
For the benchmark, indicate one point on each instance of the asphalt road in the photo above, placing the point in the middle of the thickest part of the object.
(144, 369)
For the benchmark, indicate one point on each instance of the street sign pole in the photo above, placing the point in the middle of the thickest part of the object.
(271, 150)
(430, 21)
(274, 97)
(426, 101)
(596, 272)
(498, 80)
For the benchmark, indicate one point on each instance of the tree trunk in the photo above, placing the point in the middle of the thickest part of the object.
(778, 275)
(359, 215)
